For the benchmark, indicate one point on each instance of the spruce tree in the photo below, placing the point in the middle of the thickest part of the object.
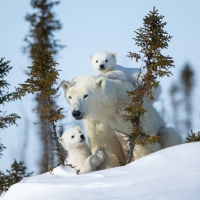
(18, 170)
(42, 79)
(43, 25)
(14, 175)
(2, 147)
(5, 96)
(151, 38)
(193, 137)
(175, 103)
(187, 82)
(181, 93)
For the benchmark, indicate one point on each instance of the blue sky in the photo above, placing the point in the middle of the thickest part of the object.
(89, 27)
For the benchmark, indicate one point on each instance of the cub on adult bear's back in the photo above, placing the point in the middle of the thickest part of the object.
(105, 64)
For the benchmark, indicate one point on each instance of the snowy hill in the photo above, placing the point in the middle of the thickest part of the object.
(171, 174)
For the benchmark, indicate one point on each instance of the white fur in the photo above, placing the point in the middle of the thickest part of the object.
(79, 154)
(111, 70)
(116, 74)
(101, 103)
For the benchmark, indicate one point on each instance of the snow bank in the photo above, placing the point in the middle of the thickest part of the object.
(172, 173)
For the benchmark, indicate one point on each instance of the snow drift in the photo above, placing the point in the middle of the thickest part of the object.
(172, 173)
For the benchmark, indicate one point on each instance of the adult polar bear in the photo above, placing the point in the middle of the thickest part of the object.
(97, 101)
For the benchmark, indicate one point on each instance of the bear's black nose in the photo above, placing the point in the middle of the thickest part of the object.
(82, 136)
(101, 66)
(76, 113)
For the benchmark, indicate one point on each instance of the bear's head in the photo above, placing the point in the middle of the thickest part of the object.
(103, 62)
(72, 138)
(84, 94)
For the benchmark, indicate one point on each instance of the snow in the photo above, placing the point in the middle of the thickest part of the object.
(172, 173)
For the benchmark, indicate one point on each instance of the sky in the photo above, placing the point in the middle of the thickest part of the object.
(89, 27)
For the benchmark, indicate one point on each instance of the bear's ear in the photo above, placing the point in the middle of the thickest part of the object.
(114, 55)
(91, 57)
(78, 127)
(60, 140)
(101, 82)
(65, 85)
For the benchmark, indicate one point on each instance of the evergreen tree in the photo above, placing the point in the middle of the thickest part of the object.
(2, 147)
(187, 82)
(18, 170)
(181, 99)
(42, 79)
(193, 137)
(151, 38)
(16, 174)
(6, 120)
(43, 25)
(175, 102)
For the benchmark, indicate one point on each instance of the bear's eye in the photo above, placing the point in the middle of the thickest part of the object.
(79, 131)
(85, 96)
(96, 61)
(70, 97)
(106, 60)
(72, 137)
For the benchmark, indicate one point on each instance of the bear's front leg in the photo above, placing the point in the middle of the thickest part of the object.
(93, 161)
(97, 157)
(118, 75)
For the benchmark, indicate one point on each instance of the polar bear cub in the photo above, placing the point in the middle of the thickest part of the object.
(105, 64)
(79, 154)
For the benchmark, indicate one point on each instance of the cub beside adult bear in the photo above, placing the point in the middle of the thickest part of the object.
(100, 102)
(79, 154)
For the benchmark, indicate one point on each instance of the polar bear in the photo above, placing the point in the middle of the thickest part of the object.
(79, 154)
(101, 101)
(105, 64)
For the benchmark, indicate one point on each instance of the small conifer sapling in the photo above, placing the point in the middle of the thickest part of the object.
(151, 38)
(193, 137)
